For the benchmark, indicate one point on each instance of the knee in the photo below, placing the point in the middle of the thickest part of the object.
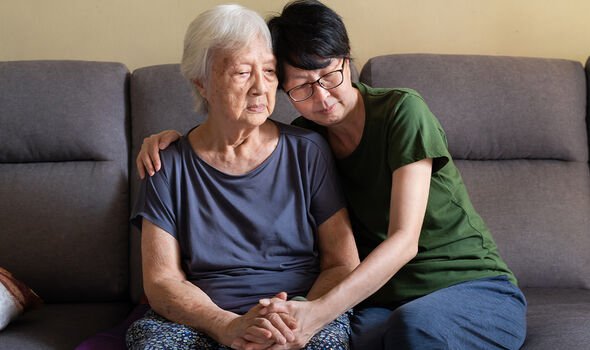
(412, 328)
(134, 334)
(143, 331)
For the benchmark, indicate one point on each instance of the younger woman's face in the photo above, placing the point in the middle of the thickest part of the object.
(325, 106)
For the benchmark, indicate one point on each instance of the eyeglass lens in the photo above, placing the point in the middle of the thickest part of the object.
(327, 81)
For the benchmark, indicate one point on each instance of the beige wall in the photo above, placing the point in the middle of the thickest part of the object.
(147, 32)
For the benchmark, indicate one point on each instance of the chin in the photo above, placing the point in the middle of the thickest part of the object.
(327, 120)
(258, 119)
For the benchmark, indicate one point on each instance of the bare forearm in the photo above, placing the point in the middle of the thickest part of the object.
(328, 279)
(365, 280)
(184, 303)
(373, 272)
(409, 197)
(338, 253)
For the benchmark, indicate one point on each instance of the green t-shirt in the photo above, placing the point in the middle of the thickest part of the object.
(455, 244)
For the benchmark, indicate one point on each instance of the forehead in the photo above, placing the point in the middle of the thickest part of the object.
(292, 72)
(257, 51)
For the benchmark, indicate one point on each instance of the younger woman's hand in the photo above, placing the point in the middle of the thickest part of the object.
(148, 159)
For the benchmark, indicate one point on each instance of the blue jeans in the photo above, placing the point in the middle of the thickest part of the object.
(488, 313)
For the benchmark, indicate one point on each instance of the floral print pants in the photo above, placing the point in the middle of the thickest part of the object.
(155, 332)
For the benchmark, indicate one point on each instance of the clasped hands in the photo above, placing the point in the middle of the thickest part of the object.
(273, 324)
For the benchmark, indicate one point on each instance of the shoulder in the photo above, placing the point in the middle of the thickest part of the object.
(173, 156)
(393, 98)
(174, 151)
(397, 105)
(411, 100)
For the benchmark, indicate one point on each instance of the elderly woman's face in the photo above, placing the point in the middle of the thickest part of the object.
(242, 85)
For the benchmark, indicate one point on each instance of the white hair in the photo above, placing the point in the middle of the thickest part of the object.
(224, 27)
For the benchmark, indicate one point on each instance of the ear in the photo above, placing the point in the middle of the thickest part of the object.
(200, 88)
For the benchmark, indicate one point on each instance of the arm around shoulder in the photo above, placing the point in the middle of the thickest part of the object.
(148, 158)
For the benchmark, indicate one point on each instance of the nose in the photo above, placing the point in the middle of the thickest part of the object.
(259, 85)
(319, 92)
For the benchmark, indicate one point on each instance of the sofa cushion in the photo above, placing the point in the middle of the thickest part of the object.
(495, 107)
(62, 111)
(537, 212)
(160, 99)
(61, 326)
(517, 128)
(63, 178)
(557, 318)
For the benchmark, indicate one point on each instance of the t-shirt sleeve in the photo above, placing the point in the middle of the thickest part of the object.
(415, 134)
(326, 192)
(155, 203)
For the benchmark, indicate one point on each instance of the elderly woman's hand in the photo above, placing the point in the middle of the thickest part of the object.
(148, 158)
(301, 311)
(253, 331)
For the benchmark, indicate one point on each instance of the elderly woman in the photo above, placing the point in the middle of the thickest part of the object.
(431, 276)
(243, 207)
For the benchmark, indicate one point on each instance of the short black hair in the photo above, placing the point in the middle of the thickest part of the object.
(307, 35)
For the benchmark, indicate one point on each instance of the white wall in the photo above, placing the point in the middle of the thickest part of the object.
(147, 32)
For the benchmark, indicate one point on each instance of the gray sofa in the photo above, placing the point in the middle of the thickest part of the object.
(69, 131)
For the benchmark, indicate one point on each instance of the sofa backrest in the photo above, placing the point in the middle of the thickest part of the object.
(517, 130)
(63, 178)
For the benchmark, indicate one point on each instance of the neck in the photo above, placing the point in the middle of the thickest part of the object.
(213, 136)
(234, 151)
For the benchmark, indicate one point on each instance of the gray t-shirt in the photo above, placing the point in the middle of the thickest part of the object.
(249, 236)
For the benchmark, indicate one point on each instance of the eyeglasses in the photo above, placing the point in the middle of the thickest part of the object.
(327, 81)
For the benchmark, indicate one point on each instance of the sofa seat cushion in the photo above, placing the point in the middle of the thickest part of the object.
(557, 318)
(61, 326)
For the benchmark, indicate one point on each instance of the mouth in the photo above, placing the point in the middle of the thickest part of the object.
(257, 108)
(328, 110)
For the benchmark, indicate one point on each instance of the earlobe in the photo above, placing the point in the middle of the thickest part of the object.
(200, 87)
